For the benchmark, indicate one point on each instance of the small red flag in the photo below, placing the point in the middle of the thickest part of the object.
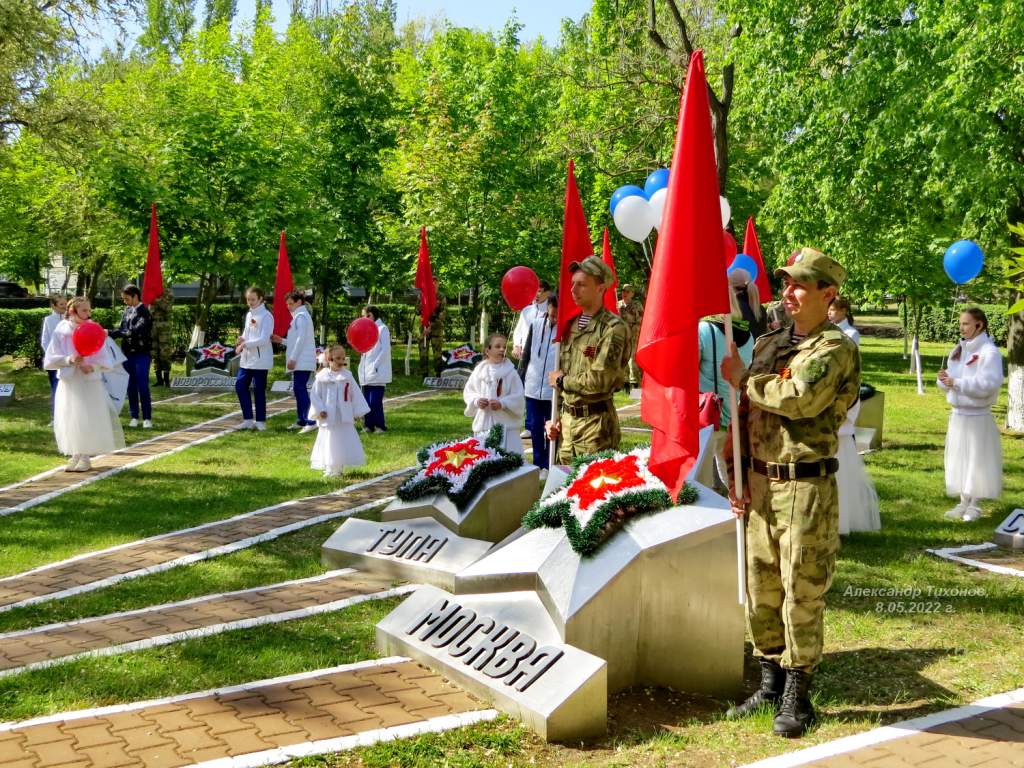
(153, 279)
(576, 246)
(283, 285)
(753, 249)
(425, 281)
(688, 282)
(609, 296)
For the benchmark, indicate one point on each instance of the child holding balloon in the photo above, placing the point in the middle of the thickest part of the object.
(494, 395)
(336, 402)
(85, 423)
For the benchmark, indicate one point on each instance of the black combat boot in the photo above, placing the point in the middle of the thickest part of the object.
(773, 680)
(796, 713)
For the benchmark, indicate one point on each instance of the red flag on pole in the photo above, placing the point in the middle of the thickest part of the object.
(609, 295)
(425, 281)
(688, 282)
(576, 246)
(283, 285)
(753, 249)
(153, 279)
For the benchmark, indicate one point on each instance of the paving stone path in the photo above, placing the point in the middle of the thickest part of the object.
(253, 724)
(199, 617)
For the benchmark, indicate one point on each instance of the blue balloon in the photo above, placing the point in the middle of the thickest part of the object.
(742, 261)
(963, 261)
(627, 191)
(657, 180)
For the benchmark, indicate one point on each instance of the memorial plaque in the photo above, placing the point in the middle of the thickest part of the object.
(6, 394)
(452, 381)
(206, 378)
(285, 385)
(495, 511)
(1010, 532)
(419, 550)
(505, 650)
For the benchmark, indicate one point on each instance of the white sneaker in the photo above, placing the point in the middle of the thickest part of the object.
(73, 463)
(247, 424)
(293, 426)
(307, 428)
(543, 475)
(259, 426)
(972, 514)
(957, 512)
(147, 424)
(524, 434)
(133, 423)
(84, 465)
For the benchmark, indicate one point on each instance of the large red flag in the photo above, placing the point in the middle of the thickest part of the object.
(688, 281)
(153, 279)
(753, 249)
(576, 246)
(609, 295)
(425, 281)
(283, 285)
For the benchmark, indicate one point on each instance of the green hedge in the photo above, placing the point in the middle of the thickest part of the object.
(941, 323)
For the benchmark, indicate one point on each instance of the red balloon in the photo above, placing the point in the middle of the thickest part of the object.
(519, 286)
(362, 334)
(730, 246)
(88, 338)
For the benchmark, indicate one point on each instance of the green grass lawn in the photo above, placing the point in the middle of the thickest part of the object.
(880, 665)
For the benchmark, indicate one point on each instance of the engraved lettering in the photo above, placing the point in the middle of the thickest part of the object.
(1015, 524)
(509, 657)
(434, 619)
(384, 533)
(489, 645)
(397, 542)
(531, 671)
(463, 645)
(430, 548)
(414, 543)
(454, 627)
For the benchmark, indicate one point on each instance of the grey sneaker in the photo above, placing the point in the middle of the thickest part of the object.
(972, 514)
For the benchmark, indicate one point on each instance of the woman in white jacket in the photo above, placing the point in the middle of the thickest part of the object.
(972, 380)
(336, 404)
(300, 357)
(257, 359)
(58, 308)
(375, 373)
(494, 395)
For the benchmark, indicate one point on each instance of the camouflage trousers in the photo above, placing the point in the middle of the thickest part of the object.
(634, 369)
(430, 355)
(792, 539)
(584, 435)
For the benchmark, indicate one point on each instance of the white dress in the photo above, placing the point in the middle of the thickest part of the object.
(499, 382)
(84, 420)
(337, 445)
(974, 457)
(858, 501)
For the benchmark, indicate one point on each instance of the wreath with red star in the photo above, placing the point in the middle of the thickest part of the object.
(600, 496)
(458, 468)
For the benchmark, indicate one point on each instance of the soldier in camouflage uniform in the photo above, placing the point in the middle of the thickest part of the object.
(163, 346)
(794, 397)
(432, 337)
(592, 361)
(631, 309)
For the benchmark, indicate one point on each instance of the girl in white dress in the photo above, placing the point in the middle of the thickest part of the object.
(494, 395)
(336, 402)
(858, 501)
(84, 420)
(971, 381)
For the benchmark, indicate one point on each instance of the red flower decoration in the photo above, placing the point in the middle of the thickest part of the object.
(973, 360)
(590, 352)
(456, 458)
(604, 477)
(785, 373)
(215, 351)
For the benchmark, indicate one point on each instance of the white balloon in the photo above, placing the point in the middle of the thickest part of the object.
(634, 218)
(726, 211)
(657, 204)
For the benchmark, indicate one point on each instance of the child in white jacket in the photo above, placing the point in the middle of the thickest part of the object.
(972, 380)
(300, 356)
(336, 402)
(257, 358)
(375, 373)
(494, 395)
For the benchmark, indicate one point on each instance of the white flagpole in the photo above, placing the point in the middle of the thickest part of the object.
(553, 447)
(917, 365)
(408, 352)
(737, 469)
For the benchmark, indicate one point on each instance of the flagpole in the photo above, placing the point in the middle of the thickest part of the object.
(916, 352)
(737, 469)
(553, 447)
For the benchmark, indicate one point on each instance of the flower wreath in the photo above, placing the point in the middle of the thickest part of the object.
(459, 467)
(600, 495)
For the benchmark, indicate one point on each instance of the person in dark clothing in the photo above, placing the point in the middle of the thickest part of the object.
(749, 300)
(136, 332)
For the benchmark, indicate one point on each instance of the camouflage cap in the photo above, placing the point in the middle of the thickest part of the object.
(594, 267)
(808, 265)
(626, 287)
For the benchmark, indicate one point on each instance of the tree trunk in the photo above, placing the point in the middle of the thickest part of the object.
(323, 313)
(720, 124)
(207, 294)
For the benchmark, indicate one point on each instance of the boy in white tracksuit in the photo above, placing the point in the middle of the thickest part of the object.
(375, 373)
(300, 357)
(257, 358)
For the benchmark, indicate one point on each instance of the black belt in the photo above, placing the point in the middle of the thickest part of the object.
(587, 409)
(800, 470)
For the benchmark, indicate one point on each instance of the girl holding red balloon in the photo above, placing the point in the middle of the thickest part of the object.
(336, 403)
(257, 358)
(85, 422)
(494, 395)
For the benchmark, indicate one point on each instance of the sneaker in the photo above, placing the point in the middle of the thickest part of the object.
(73, 463)
(247, 424)
(369, 430)
(147, 424)
(295, 426)
(133, 423)
(543, 475)
(972, 514)
(307, 428)
(957, 512)
(259, 426)
(84, 465)
(524, 434)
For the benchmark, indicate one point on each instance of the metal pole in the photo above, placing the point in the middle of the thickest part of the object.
(737, 469)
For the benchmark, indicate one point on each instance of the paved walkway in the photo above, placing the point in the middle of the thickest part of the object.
(94, 570)
(199, 617)
(255, 724)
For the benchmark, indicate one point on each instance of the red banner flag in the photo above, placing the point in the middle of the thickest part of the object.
(425, 281)
(753, 249)
(576, 246)
(609, 296)
(283, 285)
(688, 282)
(153, 279)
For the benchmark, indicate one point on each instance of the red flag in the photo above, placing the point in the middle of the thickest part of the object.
(576, 246)
(153, 279)
(688, 281)
(283, 285)
(609, 295)
(753, 249)
(425, 281)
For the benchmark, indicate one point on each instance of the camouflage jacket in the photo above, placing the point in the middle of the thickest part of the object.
(632, 313)
(593, 361)
(797, 395)
(436, 328)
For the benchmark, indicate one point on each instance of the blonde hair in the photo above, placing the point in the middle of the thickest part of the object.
(73, 304)
(491, 337)
(329, 351)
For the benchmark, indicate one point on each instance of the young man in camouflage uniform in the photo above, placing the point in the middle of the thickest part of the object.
(592, 361)
(794, 397)
(432, 337)
(163, 347)
(631, 310)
